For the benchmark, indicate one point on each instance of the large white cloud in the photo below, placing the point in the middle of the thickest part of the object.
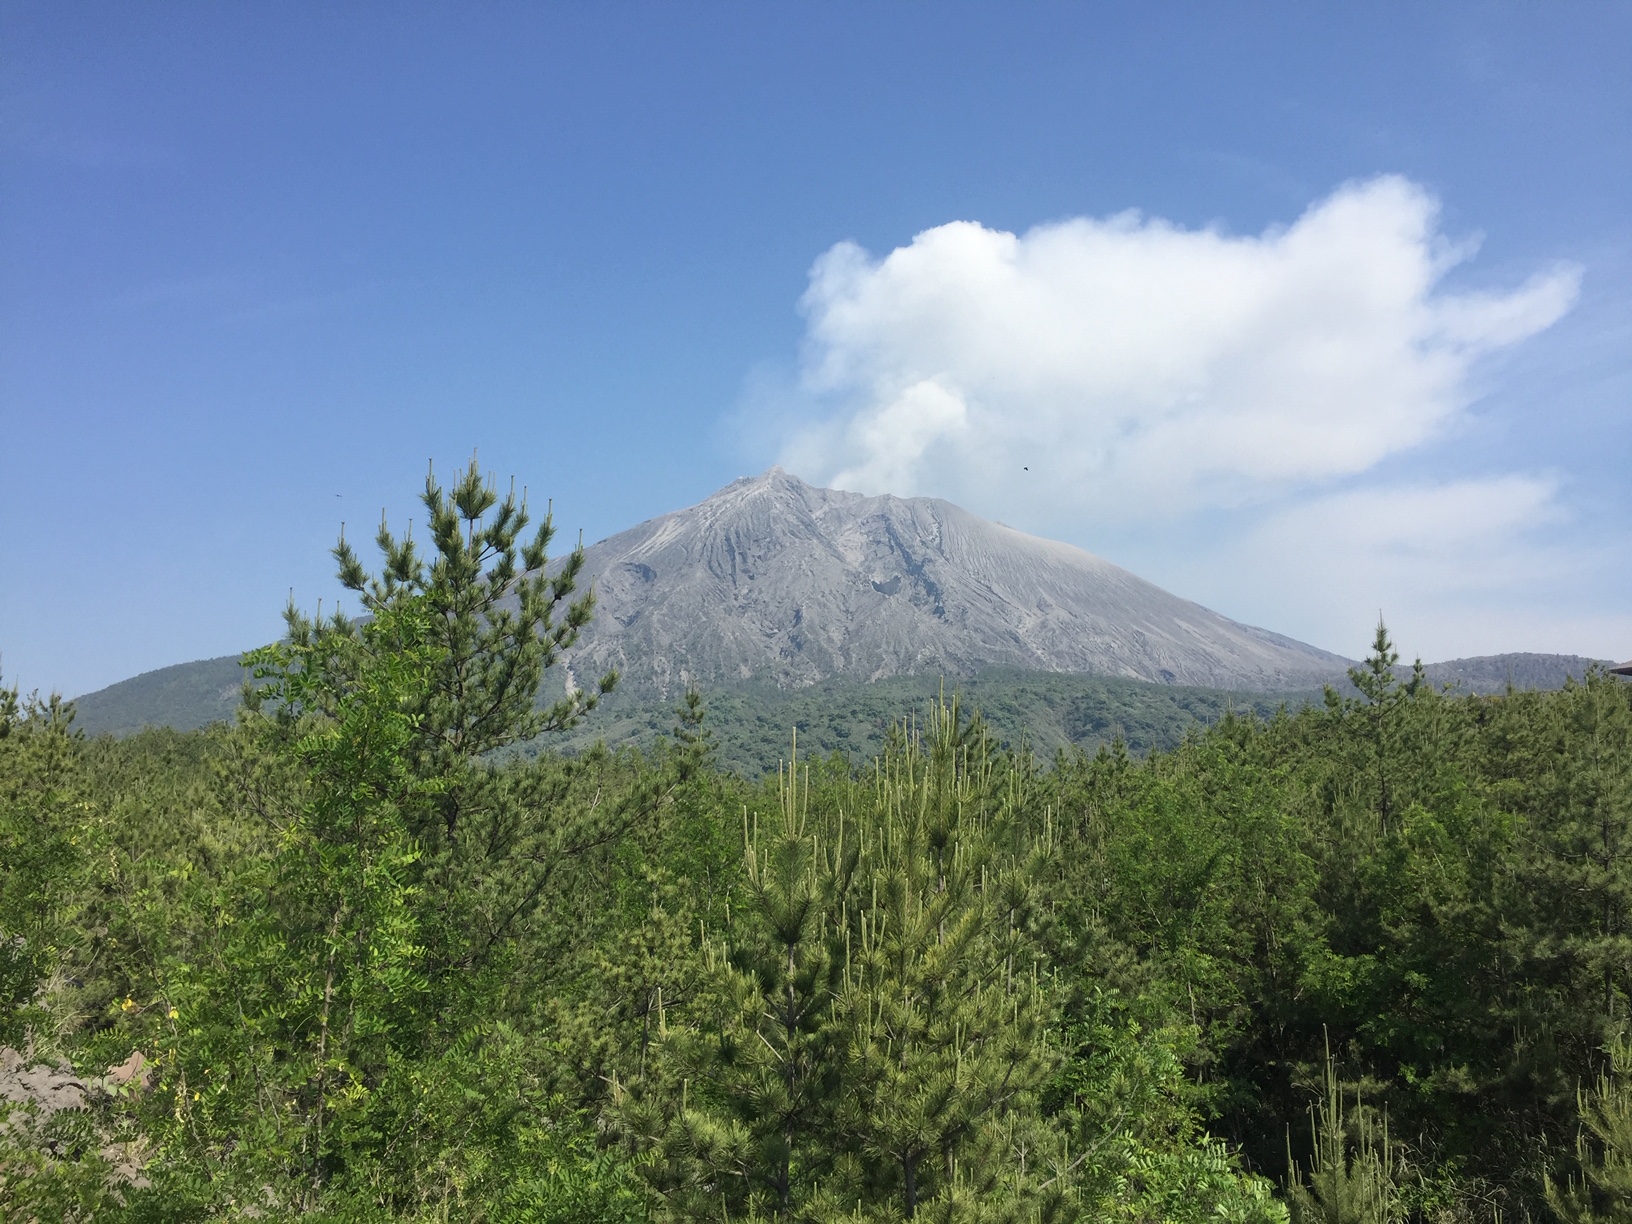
(1224, 412)
(1139, 368)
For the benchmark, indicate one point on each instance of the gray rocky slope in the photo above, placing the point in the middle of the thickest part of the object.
(775, 581)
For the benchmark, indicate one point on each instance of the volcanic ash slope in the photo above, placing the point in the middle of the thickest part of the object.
(775, 581)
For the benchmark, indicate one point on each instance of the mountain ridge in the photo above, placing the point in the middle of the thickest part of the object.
(771, 581)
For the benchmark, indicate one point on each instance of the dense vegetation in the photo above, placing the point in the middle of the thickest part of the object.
(355, 957)
(752, 724)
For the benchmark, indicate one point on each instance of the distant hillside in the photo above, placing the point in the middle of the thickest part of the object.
(184, 696)
(1493, 673)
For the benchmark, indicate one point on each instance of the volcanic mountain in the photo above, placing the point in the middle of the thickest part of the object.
(790, 587)
(773, 580)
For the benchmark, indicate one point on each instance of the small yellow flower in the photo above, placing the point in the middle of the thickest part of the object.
(128, 1005)
(174, 1013)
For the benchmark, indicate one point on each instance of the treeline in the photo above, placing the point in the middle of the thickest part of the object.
(354, 958)
(1042, 711)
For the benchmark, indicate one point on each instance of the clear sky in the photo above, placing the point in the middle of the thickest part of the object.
(1300, 310)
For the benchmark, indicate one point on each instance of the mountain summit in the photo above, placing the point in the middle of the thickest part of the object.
(773, 580)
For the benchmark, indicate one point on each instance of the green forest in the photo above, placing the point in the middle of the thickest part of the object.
(380, 950)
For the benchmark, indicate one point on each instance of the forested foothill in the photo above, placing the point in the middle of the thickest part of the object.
(357, 957)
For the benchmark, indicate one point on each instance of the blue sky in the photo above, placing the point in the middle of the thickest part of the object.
(258, 264)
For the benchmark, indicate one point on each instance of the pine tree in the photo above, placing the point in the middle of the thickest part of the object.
(1381, 697)
(1603, 1192)
(40, 847)
(8, 707)
(500, 618)
(753, 1130)
(942, 1014)
(358, 973)
(492, 842)
(1351, 1180)
(1593, 838)
(1564, 763)
(878, 1039)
